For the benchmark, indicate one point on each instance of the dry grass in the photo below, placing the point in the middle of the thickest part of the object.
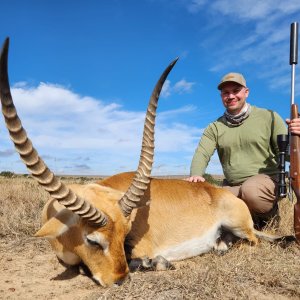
(267, 271)
(21, 203)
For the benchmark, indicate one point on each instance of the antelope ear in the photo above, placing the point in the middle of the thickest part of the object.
(58, 225)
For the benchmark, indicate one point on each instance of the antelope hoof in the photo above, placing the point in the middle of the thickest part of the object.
(158, 263)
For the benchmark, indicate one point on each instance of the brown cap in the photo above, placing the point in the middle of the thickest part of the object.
(232, 77)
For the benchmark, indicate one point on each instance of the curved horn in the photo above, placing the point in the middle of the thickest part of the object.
(142, 176)
(34, 163)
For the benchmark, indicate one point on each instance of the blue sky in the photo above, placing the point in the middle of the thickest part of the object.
(82, 72)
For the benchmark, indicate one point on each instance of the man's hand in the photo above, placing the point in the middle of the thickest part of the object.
(195, 179)
(294, 125)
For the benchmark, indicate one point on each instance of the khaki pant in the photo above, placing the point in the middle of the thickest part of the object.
(258, 192)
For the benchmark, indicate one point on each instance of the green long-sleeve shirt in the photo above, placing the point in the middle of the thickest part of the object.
(245, 150)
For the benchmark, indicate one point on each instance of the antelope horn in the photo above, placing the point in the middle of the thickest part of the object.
(141, 179)
(34, 163)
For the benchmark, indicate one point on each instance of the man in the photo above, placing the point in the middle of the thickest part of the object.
(245, 138)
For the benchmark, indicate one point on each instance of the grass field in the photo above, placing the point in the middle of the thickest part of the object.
(29, 269)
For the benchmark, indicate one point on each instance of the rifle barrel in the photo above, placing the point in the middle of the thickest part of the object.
(293, 57)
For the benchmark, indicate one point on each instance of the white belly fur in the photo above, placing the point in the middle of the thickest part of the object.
(192, 247)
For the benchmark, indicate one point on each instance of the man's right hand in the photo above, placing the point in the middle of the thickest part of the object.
(195, 179)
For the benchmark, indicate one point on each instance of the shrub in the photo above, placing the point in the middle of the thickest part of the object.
(7, 174)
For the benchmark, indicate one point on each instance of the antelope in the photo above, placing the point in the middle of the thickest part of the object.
(128, 219)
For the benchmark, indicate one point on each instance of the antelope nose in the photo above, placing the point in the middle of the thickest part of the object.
(122, 280)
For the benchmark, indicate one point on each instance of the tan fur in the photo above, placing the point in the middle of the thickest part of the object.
(179, 211)
(177, 219)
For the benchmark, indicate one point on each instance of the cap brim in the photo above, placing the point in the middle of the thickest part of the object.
(222, 83)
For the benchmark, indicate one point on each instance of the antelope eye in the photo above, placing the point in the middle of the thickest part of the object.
(93, 242)
(97, 240)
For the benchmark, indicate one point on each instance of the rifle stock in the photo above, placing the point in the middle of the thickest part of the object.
(295, 172)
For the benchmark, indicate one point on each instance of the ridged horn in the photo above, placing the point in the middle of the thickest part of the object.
(30, 157)
(141, 179)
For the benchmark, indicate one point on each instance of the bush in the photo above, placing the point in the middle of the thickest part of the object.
(7, 174)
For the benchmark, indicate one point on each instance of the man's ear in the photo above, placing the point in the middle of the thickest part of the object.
(247, 92)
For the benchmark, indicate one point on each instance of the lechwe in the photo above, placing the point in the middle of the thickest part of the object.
(157, 220)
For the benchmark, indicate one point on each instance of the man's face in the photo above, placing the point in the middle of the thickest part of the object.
(234, 97)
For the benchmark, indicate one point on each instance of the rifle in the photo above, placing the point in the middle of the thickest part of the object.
(293, 141)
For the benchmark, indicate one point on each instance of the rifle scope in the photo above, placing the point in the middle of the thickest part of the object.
(283, 143)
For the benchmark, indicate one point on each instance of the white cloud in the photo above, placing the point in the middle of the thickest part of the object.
(177, 137)
(174, 112)
(245, 9)
(250, 33)
(6, 153)
(180, 87)
(79, 134)
(255, 9)
(194, 6)
(57, 116)
(166, 89)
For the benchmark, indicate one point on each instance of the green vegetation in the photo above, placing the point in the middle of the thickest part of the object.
(7, 174)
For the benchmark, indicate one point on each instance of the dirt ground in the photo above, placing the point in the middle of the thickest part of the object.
(29, 270)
